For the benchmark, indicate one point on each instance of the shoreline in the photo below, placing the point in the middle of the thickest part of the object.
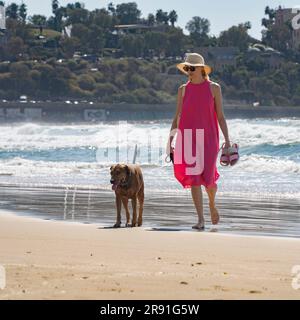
(47, 259)
(240, 214)
(52, 112)
(106, 226)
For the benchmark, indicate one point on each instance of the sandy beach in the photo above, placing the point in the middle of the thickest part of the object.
(69, 260)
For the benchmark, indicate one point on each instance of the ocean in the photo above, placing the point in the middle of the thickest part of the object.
(65, 157)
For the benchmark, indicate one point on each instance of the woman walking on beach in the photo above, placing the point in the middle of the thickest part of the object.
(199, 106)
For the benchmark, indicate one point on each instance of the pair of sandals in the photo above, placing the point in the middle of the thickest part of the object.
(229, 156)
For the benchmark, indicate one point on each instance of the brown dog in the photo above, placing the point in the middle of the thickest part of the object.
(127, 182)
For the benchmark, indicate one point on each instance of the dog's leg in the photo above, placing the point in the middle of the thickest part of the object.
(134, 214)
(141, 206)
(125, 204)
(119, 207)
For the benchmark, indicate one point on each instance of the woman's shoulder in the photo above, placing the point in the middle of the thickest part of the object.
(214, 84)
(183, 85)
(215, 88)
(181, 88)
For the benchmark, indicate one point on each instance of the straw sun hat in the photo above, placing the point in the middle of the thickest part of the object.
(193, 59)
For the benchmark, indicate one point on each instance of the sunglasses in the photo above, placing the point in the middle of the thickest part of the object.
(187, 68)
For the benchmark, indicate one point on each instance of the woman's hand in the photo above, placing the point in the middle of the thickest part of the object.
(169, 147)
(227, 144)
(169, 151)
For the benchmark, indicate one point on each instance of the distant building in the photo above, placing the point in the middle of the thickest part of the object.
(284, 15)
(3, 34)
(271, 56)
(2, 18)
(138, 28)
(218, 57)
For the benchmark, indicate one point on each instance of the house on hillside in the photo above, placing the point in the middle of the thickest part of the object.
(284, 15)
(271, 56)
(218, 57)
(138, 28)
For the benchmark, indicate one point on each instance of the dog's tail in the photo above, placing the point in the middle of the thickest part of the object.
(134, 155)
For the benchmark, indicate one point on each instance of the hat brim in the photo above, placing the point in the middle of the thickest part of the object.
(180, 66)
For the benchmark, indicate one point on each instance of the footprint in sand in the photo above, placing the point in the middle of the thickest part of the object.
(255, 291)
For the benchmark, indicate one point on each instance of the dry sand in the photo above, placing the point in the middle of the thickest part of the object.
(64, 260)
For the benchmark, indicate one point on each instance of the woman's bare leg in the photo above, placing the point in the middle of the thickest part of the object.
(211, 191)
(198, 202)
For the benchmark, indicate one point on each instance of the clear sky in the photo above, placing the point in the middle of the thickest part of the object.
(221, 14)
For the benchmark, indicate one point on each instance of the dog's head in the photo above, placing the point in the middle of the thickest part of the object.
(119, 174)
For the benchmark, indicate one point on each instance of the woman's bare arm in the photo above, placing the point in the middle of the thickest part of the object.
(176, 119)
(220, 113)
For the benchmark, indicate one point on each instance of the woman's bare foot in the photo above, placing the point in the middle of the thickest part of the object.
(214, 214)
(199, 225)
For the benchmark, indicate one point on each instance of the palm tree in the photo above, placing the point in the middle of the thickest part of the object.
(162, 17)
(173, 17)
(55, 5)
(23, 11)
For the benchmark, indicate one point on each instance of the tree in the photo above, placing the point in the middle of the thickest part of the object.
(23, 12)
(38, 20)
(162, 16)
(12, 11)
(15, 45)
(76, 5)
(96, 38)
(275, 35)
(173, 17)
(175, 42)
(151, 19)
(80, 31)
(128, 13)
(103, 19)
(155, 43)
(199, 29)
(133, 45)
(111, 8)
(77, 15)
(271, 13)
(236, 36)
(58, 12)
(69, 46)
(278, 37)
(55, 5)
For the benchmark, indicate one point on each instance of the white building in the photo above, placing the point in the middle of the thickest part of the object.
(2, 18)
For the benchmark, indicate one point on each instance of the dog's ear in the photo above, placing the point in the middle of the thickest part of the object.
(127, 169)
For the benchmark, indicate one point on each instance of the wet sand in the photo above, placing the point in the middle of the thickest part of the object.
(62, 260)
(270, 216)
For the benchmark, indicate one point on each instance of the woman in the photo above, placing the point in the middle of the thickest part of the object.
(199, 106)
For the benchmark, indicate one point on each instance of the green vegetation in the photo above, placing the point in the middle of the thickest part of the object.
(101, 63)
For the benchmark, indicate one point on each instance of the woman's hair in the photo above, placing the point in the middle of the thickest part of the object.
(204, 74)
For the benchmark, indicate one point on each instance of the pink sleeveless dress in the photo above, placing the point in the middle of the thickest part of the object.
(198, 112)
